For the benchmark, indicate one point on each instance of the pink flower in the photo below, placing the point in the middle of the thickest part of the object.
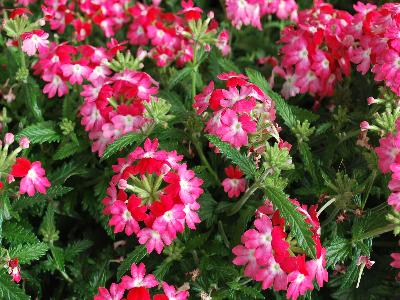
(33, 176)
(171, 221)
(272, 276)
(396, 260)
(202, 100)
(14, 270)
(299, 284)
(122, 219)
(116, 293)
(387, 152)
(191, 217)
(33, 41)
(316, 268)
(246, 257)
(54, 86)
(235, 130)
(223, 42)
(138, 278)
(234, 184)
(260, 239)
(185, 183)
(172, 294)
(394, 200)
(76, 72)
(153, 239)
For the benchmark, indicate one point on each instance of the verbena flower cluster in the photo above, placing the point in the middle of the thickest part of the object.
(271, 255)
(137, 287)
(153, 196)
(150, 132)
(237, 111)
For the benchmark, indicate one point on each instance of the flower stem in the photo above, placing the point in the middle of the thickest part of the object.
(375, 232)
(325, 206)
(204, 161)
(194, 71)
(256, 185)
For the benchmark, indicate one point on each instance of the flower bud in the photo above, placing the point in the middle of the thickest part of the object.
(122, 184)
(364, 125)
(9, 138)
(10, 179)
(371, 100)
(24, 142)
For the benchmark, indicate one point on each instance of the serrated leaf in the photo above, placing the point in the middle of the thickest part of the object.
(134, 257)
(10, 290)
(369, 225)
(66, 150)
(29, 252)
(30, 92)
(162, 269)
(40, 133)
(337, 251)
(59, 258)
(251, 292)
(283, 109)
(228, 65)
(207, 209)
(17, 234)
(122, 142)
(76, 248)
(53, 192)
(67, 170)
(304, 114)
(179, 77)
(307, 158)
(298, 226)
(245, 164)
(350, 277)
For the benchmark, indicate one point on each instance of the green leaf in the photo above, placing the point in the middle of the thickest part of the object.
(245, 164)
(304, 114)
(66, 150)
(48, 227)
(371, 224)
(228, 65)
(179, 77)
(207, 209)
(40, 133)
(134, 257)
(294, 218)
(10, 290)
(122, 142)
(67, 170)
(350, 277)
(29, 252)
(307, 158)
(337, 251)
(58, 257)
(53, 192)
(162, 269)
(77, 247)
(30, 92)
(14, 233)
(283, 109)
(251, 292)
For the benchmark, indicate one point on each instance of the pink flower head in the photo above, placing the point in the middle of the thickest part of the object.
(76, 72)
(33, 41)
(173, 294)
(299, 284)
(122, 219)
(153, 239)
(138, 278)
(33, 176)
(234, 184)
(116, 292)
(14, 270)
(233, 79)
(236, 128)
(190, 11)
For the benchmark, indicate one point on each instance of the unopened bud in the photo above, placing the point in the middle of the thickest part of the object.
(24, 142)
(9, 138)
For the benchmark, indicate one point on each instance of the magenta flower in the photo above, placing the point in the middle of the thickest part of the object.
(138, 278)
